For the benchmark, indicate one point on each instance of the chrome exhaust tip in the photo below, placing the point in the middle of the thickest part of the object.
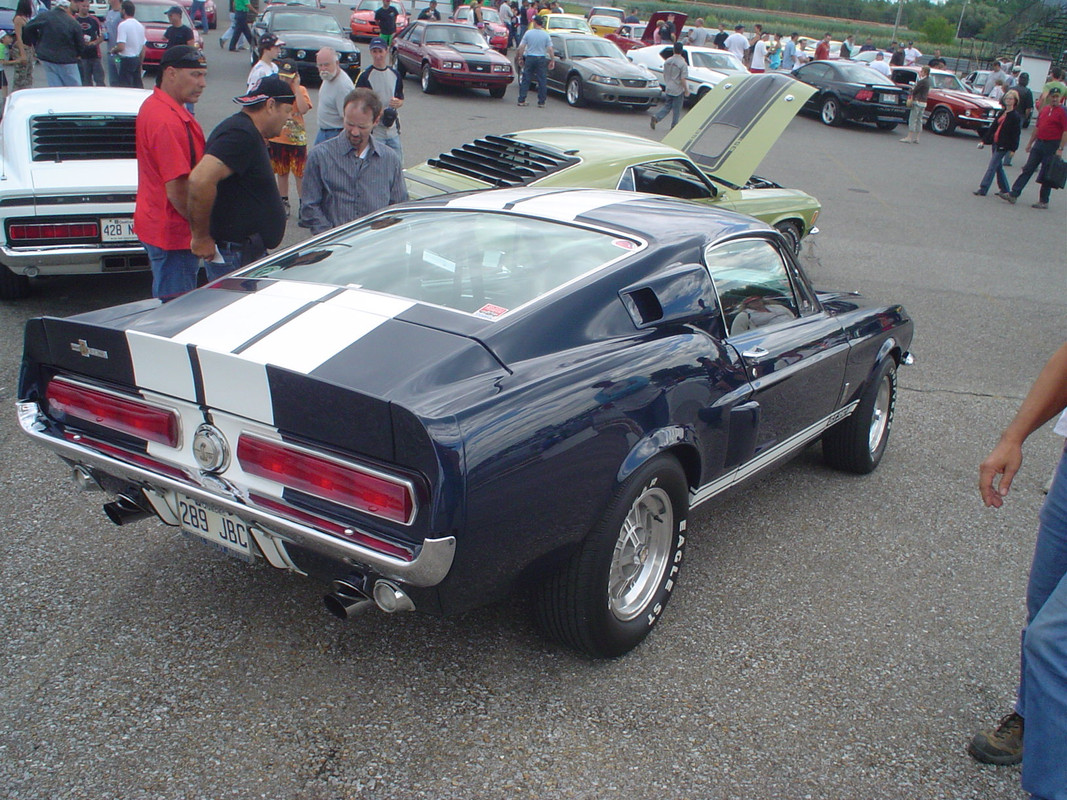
(125, 510)
(84, 479)
(391, 598)
(346, 600)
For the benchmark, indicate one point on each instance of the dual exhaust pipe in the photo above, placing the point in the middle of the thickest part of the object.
(349, 600)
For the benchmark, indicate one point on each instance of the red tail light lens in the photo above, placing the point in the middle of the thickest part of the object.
(372, 492)
(62, 230)
(863, 95)
(122, 414)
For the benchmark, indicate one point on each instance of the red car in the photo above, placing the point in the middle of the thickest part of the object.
(451, 54)
(626, 37)
(209, 12)
(950, 105)
(362, 22)
(153, 15)
(495, 31)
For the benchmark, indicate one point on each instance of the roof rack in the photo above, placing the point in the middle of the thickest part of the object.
(502, 161)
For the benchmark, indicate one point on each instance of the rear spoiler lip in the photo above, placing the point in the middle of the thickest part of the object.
(429, 567)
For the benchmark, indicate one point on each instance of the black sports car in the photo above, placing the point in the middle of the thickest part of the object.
(849, 90)
(304, 31)
(448, 399)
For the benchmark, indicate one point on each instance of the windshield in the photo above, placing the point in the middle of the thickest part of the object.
(593, 48)
(311, 23)
(156, 13)
(447, 34)
(374, 5)
(727, 61)
(942, 81)
(568, 24)
(861, 73)
(476, 262)
(605, 22)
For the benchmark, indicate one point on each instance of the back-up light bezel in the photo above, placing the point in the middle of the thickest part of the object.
(124, 414)
(356, 486)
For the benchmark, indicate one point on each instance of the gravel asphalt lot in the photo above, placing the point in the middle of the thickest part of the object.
(832, 636)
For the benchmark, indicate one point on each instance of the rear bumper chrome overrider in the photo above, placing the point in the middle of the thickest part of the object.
(428, 568)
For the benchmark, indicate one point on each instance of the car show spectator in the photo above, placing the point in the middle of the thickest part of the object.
(1026, 97)
(920, 93)
(937, 61)
(1047, 141)
(385, 19)
(789, 52)
(269, 48)
(847, 47)
(868, 45)
(759, 55)
(1003, 137)
(774, 52)
(128, 46)
(897, 57)
(198, 11)
(388, 84)
(995, 78)
(170, 142)
(822, 49)
(1037, 727)
(737, 42)
(288, 150)
(698, 35)
(57, 40)
(177, 32)
(24, 55)
(235, 210)
(721, 37)
(879, 64)
(111, 35)
(430, 12)
(333, 90)
(89, 65)
(1055, 80)
(351, 175)
(535, 57)
(676, 87)
(665, 32)
(241, 10)
(912, 54)
(632, 18)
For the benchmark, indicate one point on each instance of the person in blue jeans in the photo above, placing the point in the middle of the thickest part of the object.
(1036, 731)
(1003, 137)
(535, 56)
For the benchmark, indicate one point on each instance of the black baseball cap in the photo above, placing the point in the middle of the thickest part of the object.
(183, 57)
(269, 87)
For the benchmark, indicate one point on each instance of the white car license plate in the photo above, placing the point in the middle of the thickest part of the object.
(117, 229)
(889, 98)
(220, 529)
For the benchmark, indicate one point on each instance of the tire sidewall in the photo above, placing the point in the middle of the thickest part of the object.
(886, 369)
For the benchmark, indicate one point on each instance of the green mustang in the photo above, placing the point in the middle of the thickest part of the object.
(709, 157)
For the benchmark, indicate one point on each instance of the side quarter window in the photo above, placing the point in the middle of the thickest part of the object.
(753, 285)
(416, 34)
(673, 178)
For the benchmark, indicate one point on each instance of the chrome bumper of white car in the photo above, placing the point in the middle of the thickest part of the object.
(429, 567)
(74, 259)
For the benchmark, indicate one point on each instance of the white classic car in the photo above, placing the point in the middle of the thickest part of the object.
(68, 181)
(707, 66)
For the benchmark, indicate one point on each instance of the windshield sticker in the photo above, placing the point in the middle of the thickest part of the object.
(489, 311)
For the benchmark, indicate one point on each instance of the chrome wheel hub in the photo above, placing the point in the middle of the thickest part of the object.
(641, 555)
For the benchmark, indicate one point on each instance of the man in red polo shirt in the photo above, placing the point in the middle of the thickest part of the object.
(169, 144)
(1047, 141)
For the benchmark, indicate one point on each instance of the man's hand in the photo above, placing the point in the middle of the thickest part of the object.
(203, 247)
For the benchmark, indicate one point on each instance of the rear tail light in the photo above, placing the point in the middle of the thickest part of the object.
(864, 95)
(53, 230)
(123, 414)
(369, 491)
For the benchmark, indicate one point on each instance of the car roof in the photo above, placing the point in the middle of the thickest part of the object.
(606, 144)
(79, 100)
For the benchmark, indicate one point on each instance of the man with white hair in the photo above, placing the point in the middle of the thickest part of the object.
(335, 88)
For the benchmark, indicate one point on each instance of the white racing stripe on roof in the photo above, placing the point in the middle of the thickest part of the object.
(230, 327)
(161, 365)
(236, 384)
(563, 206)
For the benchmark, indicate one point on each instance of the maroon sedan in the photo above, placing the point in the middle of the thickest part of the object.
(450, 54)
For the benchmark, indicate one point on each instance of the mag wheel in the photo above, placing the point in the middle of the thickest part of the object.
(427, 80)
(942, 121)
(575, 96)
(831, 111)
(607, 597)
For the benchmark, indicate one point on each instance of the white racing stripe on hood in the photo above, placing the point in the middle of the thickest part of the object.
(230, 327)
(161, 365)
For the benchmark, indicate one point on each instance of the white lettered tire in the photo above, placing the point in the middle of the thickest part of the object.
(607, 596)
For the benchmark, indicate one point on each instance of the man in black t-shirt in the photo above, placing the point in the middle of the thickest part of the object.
(89, 64)
(177, 33)
(385, 19)
(235, 210)
(431, 13)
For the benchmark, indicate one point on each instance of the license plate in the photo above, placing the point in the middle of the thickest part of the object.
(215, 527)
(117, 229)
(889, 98)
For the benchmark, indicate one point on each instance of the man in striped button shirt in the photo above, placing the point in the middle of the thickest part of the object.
(351, 175)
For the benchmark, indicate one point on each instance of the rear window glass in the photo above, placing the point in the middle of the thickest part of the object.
(480, 263)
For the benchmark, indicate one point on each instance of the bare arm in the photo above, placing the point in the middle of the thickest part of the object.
(203, 187)
(1047, 397)
(178, 194)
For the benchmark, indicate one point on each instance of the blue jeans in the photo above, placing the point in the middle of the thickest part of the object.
(995, 168)
(113, 78)
(534, 69)
(174, 271)
(130, 72)
(62, 74)
(240, 28)
(1043, 685)
(198, 6)
(1042, 150)
(324, 134)
(672, 104)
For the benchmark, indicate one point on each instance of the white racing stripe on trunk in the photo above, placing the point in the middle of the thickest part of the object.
(230, 327)
(236, 384)
(161, 365)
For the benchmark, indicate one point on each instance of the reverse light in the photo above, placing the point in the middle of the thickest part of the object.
(123, 414)
(360, 488)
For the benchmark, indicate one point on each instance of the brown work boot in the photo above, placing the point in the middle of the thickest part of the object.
(1001, 745)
